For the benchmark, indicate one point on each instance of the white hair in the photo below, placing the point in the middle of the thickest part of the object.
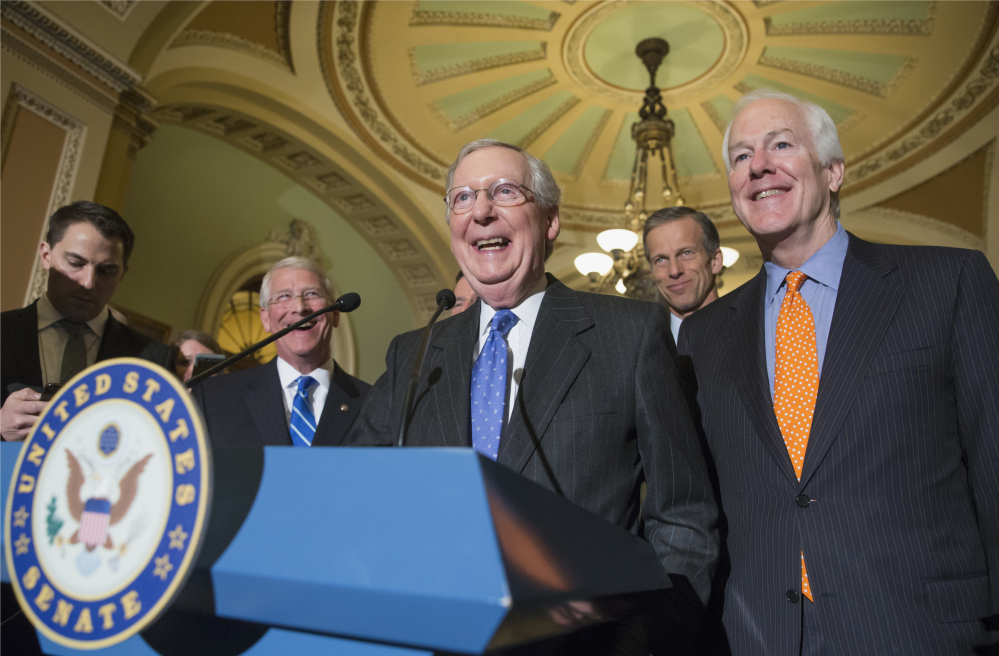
(302, 263)
(821, 130)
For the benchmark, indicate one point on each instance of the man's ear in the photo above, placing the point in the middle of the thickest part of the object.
(335, 318)
(717, 262)
(265, 319)
(836, 172)
(554, 227)
(124, 270)
(45, 255)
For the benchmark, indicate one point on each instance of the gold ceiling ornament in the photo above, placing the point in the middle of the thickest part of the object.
(340, 36)
(731, 22)
(653, 135)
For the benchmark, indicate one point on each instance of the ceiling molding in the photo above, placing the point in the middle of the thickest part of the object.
(390, 236)
(66, 41)
(959, 112)
(119, 8)
(340, 25)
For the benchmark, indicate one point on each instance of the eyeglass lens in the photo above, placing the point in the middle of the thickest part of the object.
(501, 192)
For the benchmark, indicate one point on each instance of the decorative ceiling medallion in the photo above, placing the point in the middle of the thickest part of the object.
(730, 21)
(340, 59)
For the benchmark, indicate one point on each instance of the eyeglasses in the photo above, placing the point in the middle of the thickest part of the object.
(505, 193)
(311, 297)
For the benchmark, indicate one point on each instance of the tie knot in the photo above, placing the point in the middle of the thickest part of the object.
(304, 383)
(74, 328)
(794, 281)
(503, 321)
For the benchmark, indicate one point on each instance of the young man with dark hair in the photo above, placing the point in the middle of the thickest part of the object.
(85, 254)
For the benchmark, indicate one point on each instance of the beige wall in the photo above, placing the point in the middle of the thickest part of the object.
(31, 162)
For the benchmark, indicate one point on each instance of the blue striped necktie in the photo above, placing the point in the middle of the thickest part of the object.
(489, 387)
(303, 422)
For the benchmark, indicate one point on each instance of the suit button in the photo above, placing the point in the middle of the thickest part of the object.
(344, 407)
(792, 596)
(803, 500)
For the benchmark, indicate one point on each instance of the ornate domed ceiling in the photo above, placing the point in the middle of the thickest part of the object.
(417, 80)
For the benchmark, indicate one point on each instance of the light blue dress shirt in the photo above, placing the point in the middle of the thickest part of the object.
(823, 269)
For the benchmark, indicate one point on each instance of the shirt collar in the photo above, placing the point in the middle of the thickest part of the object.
(48, 315)
(526, 311)
(289, 375)
(825, 266)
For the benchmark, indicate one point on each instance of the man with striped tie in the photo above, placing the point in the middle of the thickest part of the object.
(302, 397)
(849, 398)
(578, 392)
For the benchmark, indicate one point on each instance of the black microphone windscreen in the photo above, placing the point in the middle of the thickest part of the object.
(349, 302)
(446, 296)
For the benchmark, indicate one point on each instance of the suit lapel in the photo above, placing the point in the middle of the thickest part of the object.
(554, 359)
(448, 369)
(334, 422)
(265, 400)
(27, 362)
(866, 302)
(110, 339)
(748, 355)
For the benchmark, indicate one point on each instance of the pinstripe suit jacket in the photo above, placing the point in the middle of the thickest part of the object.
(901, 536)
(599, 409)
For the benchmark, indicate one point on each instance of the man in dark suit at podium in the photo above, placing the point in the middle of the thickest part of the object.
(85, 255)
(578, 392)
(278, 404)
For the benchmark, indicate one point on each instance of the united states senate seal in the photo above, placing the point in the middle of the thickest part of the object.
(107, 504)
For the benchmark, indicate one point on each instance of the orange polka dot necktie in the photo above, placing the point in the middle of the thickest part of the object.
(796, 380)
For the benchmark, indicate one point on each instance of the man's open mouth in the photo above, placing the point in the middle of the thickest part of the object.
(307, 325)
(493, 244)
(768, 193)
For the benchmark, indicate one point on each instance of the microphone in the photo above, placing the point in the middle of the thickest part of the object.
(445, 301)
(346, 303)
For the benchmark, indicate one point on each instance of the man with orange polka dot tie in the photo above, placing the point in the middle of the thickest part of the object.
(849, 397)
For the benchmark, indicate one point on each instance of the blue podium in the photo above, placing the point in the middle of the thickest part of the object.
(374, 551)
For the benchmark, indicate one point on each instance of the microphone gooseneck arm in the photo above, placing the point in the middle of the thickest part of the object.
(346, 303)
(445, 301)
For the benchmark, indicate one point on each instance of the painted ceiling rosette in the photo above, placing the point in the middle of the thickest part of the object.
(418, 79)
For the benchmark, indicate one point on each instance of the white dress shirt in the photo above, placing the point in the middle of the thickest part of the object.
(317, 393)
(53, 337)
(518, 340)
(674, 326)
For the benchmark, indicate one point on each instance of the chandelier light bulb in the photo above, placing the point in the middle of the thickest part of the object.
(599, 263)
(729, 256)
(617, 238)
(620, 287)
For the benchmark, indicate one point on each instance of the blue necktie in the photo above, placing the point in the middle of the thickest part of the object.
(489, 387)
(303, 422)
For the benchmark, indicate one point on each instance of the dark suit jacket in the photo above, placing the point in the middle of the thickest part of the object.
(900, 517)
(21, 366)
(599, 410)
(246, 407)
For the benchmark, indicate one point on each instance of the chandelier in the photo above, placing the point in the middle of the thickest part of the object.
(625, 267)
